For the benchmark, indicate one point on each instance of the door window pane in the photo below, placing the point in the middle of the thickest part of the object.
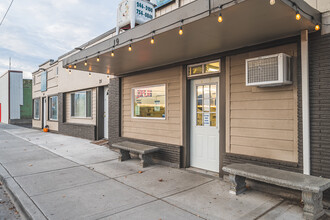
(206, 105)
(200, 92)
(212, 67)
(200, 105)
(213, 119)
(149, 102)
(195, 70)
(206, 91)
(199, 119)
(213, 106)
(213, 91)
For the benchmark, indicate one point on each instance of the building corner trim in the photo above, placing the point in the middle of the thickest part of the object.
(305, 102)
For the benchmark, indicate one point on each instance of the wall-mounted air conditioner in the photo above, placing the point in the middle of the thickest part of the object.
(272, 70)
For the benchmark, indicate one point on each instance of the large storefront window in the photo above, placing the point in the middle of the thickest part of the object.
(81, 104)
(36, 109)
(53, 101)
(149, 102)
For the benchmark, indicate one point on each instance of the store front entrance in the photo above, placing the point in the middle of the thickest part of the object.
(204, 124)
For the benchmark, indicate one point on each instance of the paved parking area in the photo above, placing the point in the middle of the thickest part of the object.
(62, 177)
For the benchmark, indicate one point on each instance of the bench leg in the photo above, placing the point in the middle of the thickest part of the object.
(145, 160)
(313, 206)
(238, 184)
(124, 155)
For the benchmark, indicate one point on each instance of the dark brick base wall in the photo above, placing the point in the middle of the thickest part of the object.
(170, 154)
(78, 130)
(75, 130)
(319, 84)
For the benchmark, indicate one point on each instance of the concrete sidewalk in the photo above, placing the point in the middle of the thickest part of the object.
(60, 177)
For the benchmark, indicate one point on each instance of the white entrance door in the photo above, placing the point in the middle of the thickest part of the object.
(204, 128)
(44, 115)
(106, 112)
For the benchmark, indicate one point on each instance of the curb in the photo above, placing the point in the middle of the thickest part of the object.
(27, 209)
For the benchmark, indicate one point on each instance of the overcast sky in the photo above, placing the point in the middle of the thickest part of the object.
(38, 30)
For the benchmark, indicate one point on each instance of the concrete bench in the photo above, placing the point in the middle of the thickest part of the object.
(143, 150)
(312, 187)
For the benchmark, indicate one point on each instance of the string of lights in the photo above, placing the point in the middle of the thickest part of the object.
(220, 18)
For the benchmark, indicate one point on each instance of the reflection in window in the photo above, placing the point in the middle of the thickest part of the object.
(149, 102)
(53, 108)
(212, 67)
(81, 104)
(36, 109)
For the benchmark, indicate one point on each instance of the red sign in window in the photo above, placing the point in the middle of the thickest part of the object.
(143, 93)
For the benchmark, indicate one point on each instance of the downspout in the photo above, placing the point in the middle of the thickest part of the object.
(305, 102)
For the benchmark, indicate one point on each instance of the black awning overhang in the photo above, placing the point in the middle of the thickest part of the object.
(246, 23)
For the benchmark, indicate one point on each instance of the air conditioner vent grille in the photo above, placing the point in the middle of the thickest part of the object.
(263, 70)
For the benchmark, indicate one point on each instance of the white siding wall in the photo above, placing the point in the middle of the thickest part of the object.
(4, 97)
(16, 94)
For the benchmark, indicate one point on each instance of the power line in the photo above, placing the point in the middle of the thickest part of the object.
(6, 12)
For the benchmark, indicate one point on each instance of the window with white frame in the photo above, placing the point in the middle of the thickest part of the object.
(81, 104)
(149, 102)
(52, 108)
(36, 109)
(204, 68)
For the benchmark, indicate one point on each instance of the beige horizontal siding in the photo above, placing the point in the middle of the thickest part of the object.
(261, 122)
(159, 130)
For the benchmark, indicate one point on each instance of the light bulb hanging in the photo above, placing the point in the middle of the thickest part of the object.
(317, 27)
(298, 16)
(90, 75)
(272, 2)
(130, 48)
(74, 66)
(69, 71)
(112, 54)
(152, 41)
(85, 63)
(181, 31)
(108, 77)
(220, 19)
(98, 59)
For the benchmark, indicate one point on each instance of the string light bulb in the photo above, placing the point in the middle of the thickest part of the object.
(74, 66)
(317, 27)
(298, 16)
(90, 75)
(220, 19)
(69, 71)
(152, 41)
(85, 63)
(108, 77)
(130, 48)
(98, 59)
(112, 54)
(272, 2)
(181, 31)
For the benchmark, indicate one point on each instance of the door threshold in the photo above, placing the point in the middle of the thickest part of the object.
(202, 171)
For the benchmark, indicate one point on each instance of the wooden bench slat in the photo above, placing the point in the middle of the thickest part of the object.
(283, 178)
